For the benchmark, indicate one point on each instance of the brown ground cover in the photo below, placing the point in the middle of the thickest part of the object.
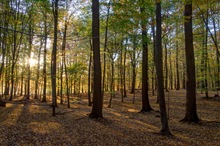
(31, 123)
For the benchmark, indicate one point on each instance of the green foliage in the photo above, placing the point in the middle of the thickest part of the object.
(76, 70)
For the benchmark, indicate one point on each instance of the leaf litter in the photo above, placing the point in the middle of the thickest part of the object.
(32, 123)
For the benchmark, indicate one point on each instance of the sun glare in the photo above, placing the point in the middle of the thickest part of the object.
(32, 61)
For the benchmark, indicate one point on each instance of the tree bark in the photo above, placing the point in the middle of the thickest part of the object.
(54, 57)
(177, 67)
(89, 75)
(133, 64)
(191, 110)
(159, 72)
(97, 95)
(166, 67)
(124, 70)
(45, 61)
(145, 98)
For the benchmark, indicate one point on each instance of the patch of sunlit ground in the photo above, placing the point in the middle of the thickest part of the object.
(34, 109)
(133, 110)
(13, 116)
(45, 127)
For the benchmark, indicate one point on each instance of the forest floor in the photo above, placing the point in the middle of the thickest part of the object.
(32, 123)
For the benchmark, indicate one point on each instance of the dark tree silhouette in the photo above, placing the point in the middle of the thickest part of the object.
(97, 95)
(191, 110)
(54, 54)
(159, 72)
(145, 98)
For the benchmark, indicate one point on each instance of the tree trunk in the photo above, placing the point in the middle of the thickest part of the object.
(67, 85)
(159, 72)
(191, 110)
(171, 70)
(97, 95)
(154, 78)
(145, 98)
(22, 83)
(45, 61)
(121, 75)
(61, 81)
(54, 56)
(29, 57)
(204, 61)
(112, 90)
(7, 78)
(166, 67)
(38, 72)
(133, 64)
(105, 47)
(177, 67)
(89, 75)
(124, 70)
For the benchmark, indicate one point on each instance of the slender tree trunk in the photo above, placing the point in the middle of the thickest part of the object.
(112, 82)
(105, 47)
(74, 87)
(7, 78)
(177, 67)
(45, 62)
(38, 72)
(13, 64)
(191, 110)
(4, 47)
(171, 71)
(166, 68)
(121, 75)
(97, 95)
(154, 78)
(133, 64)
(29, 57)
(159, 71)
(61, 80)
(53, 58)
(89, 75)
(204, 61)
(64, 64)
(124, 70)
(22, 83)
(67, 85)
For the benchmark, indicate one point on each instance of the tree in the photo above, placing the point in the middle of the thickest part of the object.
(54, 54)
(38, 71)
(64, 64)
(97, 95)
(177, 59)
(159, 71)
(191, 110)
(16, 43)
(30, 40)
(89, 74)
(44, 60)
(105, 47)
(112, 53)
(145, 99)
